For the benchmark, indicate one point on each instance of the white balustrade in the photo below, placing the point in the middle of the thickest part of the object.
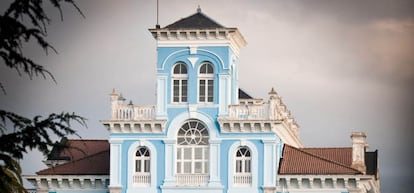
(192, 179)
(242, 179)
(243, 112)
(142, 179)
(132, 112)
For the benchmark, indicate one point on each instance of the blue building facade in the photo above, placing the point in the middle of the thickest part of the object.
(201, 135)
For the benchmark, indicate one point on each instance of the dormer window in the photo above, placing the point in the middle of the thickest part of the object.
(179, 83)
(206, 83)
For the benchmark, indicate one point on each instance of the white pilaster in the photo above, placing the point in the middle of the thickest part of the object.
(270, 161)
(161, 96)
(214, 163)
(115, 164)
(224, 93)
(170, 162)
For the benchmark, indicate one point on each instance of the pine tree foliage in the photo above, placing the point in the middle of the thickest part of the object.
(23, 22)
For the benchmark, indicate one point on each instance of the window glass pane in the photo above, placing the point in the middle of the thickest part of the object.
(202, 90)
(184, 91)
(177, 69)
(183, 69)
(176, 90)
(209, 69)
(198, 168)
(147, 165)
(178, 152)
(137, 165)
(203, 69)
(238, 166)
(210, 91)
(180, 69)
(206, 167)
(247, 166)
(187, 153)
(206, 152)
(198, 153)
(187, 167)
(178, 167)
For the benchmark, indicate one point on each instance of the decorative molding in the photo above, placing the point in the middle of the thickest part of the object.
(192, 60)
(68, 182)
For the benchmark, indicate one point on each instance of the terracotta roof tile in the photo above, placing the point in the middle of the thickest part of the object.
(85, 157)
(96, 164)
(316, 161)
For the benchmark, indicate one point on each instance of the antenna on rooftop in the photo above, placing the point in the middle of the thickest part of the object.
(157, 26)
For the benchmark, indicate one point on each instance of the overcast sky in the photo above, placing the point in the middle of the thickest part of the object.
(340, 66)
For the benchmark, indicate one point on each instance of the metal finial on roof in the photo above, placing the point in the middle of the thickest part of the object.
(198, 9)
(272, 92)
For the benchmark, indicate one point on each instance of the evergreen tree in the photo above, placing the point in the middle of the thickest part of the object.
(25, 21)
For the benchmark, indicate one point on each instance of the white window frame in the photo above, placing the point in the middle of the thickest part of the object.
(243, 167)
(192, 149)
(136, 187)
(208, 78)
(246, 187)
(181, 78)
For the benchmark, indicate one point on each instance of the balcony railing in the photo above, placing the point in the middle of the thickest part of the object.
(192, 179)
(252, 111)
(133, 112)
(142, 179)
(242, 179)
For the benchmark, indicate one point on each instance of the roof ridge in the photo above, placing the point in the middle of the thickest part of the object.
(324, 158)
(326, 148)
(87, 139)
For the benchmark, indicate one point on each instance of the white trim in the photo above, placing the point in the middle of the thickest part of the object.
(131, 167)
(68, 182)
(115, 162)
(170, 148)
(232, 188)
(186, 50)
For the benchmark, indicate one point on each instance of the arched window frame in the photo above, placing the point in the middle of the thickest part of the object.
(132, 150)
(206, 83)
(142, 161)
(233, 185)
(192, 154)
(243, 160)
(179, 83)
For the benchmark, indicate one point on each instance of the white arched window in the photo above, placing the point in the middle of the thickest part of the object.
(192, 154)
(243, 166)
(206, 83)
(142, 166)
(179, 83)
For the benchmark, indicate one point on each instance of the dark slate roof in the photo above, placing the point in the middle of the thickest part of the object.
(371, 162)
(244, 95)
(195, 21)
(316, 161)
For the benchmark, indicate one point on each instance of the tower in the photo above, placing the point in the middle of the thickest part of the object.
(197, 65)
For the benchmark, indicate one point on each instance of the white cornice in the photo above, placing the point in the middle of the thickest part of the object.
(45, 182)
(200, 37)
